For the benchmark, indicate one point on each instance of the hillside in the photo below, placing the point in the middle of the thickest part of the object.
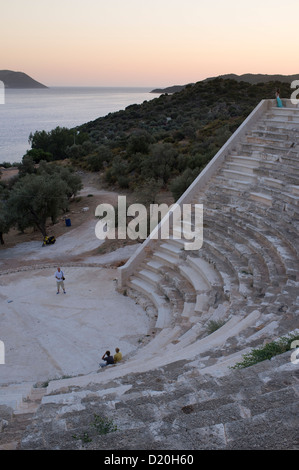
(247, 77)
(259, 78)
(164, 142)
(172, 138)
(18, 80)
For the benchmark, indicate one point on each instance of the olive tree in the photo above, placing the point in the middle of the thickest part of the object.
(36, 197)
(5, 216)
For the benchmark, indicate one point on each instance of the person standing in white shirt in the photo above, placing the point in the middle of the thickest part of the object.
(59, 275)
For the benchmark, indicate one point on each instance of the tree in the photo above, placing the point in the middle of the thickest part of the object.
(38, 154)
(146, 193)
(27, 166)
(36, 197)
(160, 162)
(57, 142)
(5, 217)
(182, 182)
(139, 142)
(98, 160)
(71, 179)
(54, 142)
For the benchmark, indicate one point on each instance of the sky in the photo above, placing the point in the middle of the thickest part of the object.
(147, 43)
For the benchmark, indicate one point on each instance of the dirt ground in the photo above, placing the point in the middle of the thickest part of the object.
(81, 213)
(80, 210)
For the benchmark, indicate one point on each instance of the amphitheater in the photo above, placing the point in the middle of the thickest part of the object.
(178, 390)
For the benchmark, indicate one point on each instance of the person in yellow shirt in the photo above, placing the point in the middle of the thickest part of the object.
(117, 356)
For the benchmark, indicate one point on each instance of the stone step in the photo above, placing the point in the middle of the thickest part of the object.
(282, 119)
(170, 248)
(149, 276)
(164, 257)
(279, 122)
(268, 140)
(280, 249)
(285, 112)
(180, 283)
(251, 148)
(13, 395)
(31, 402)
(206, 270)
(261, 198)
(155, 266)
(238, 176)
(277, 135)
(270, 430)
(12, 434)
(198, 348)
(246, 160)
(244, 168)
(212, 254)
(255, 278)
(160, 302)
(273, 183)
(295, 189)
(222, 408)
(198, 281)
(232, 180)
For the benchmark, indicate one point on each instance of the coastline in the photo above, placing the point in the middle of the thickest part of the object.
(28, 110)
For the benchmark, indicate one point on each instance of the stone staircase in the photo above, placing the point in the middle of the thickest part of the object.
(177, 391)
(18, 404)
(175, 407)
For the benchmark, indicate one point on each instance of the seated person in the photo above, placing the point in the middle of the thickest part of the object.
(107, 358)
(117, 356)
(278, 100)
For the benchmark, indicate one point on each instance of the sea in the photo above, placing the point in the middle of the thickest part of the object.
(25, 111)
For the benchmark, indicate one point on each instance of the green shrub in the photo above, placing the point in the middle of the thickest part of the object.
(214, 326)
(268, 351)
(179, 185)
(103, 425)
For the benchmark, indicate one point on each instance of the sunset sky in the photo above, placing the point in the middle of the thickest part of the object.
(147, 42)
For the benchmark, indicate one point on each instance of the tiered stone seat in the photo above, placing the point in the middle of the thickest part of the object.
(245, 276)
(176, 408)
(258, 258)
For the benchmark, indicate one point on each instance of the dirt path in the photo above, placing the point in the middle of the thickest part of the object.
(75, 243)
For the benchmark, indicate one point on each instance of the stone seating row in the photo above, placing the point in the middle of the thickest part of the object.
(176, 408)
(280, 219)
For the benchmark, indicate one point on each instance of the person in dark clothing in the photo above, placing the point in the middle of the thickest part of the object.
(107, 358)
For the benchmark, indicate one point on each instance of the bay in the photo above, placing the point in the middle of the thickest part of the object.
(26, 111)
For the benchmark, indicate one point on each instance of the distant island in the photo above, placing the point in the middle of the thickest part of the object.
(18, 80)
(251, 78)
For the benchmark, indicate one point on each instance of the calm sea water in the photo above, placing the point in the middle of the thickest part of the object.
(26, 111)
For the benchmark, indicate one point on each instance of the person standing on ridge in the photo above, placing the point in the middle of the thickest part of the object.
(278, 100)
